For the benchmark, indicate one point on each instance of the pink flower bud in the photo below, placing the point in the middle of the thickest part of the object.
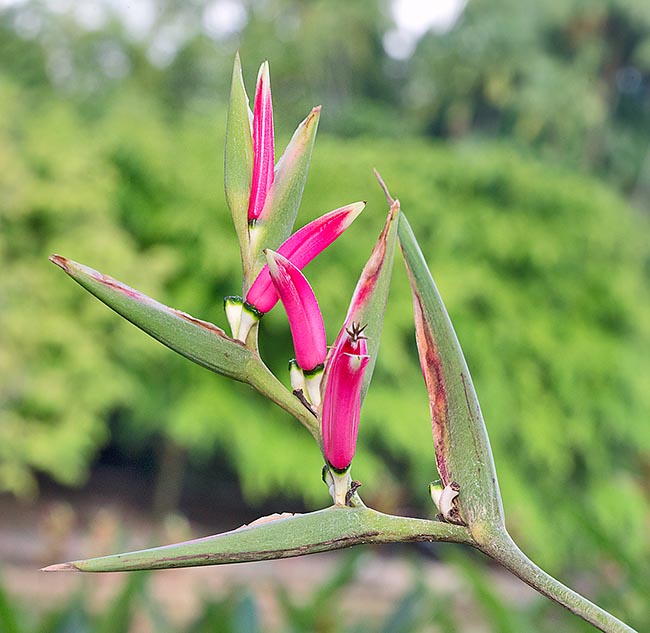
(263, 144)
(301, 248)
(305, 318)
(342, 401)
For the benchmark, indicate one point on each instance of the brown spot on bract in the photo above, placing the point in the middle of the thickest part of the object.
(204, 324)
(432, 370)
(120, 287)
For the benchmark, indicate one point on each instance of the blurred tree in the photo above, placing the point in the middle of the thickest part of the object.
(568, 79)
(571, 78)
(55, 194)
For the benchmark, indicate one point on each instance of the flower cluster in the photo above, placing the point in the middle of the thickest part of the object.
(328, 382)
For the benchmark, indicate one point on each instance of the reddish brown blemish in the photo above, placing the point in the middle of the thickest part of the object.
(74, 270)
(60, 261)
(120, 287)
(433, 373)
(204, 324)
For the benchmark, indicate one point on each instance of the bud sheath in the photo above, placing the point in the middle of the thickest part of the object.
(342, 401)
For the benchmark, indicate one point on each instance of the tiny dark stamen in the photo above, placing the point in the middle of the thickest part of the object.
(355, 331)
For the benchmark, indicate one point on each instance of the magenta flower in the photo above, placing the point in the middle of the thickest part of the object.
(263, 145)
(301, 306)
(342, 401)
(301, 248)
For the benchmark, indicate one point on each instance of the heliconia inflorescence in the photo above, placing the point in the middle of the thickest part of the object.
(327, 387)
(329, 384)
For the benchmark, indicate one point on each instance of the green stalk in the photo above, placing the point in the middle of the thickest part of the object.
(264, 381)
(500, 547)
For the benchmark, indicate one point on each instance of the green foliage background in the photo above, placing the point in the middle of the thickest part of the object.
(545, 269)
(544, 274)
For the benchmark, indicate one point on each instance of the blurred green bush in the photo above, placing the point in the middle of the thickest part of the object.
(545, 275)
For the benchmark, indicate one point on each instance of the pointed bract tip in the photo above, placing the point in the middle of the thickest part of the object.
(314, 115)
(271, 259)
(264, 70)
(236, 67)
(60, 261)
(384, 188)
(61, 567)
(270, 254)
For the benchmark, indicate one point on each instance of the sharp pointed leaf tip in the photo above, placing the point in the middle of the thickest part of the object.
(283, 536)
(60, 261)
(60, 567)
(303, 246)
(372, 270)
(384, 188)
(303, 312)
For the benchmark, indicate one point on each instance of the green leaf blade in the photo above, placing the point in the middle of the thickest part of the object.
(462, 447)
(199, 341)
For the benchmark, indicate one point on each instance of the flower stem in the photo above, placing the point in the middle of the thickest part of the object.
(504, 550)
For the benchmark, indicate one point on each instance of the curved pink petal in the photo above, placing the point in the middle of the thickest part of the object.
(301, 306)
(301, 248)
(342, 401)
(263, 144)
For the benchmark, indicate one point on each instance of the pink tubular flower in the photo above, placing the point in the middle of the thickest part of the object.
(342, 400)
(301, 248)
(305, 319)
(263, 144)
